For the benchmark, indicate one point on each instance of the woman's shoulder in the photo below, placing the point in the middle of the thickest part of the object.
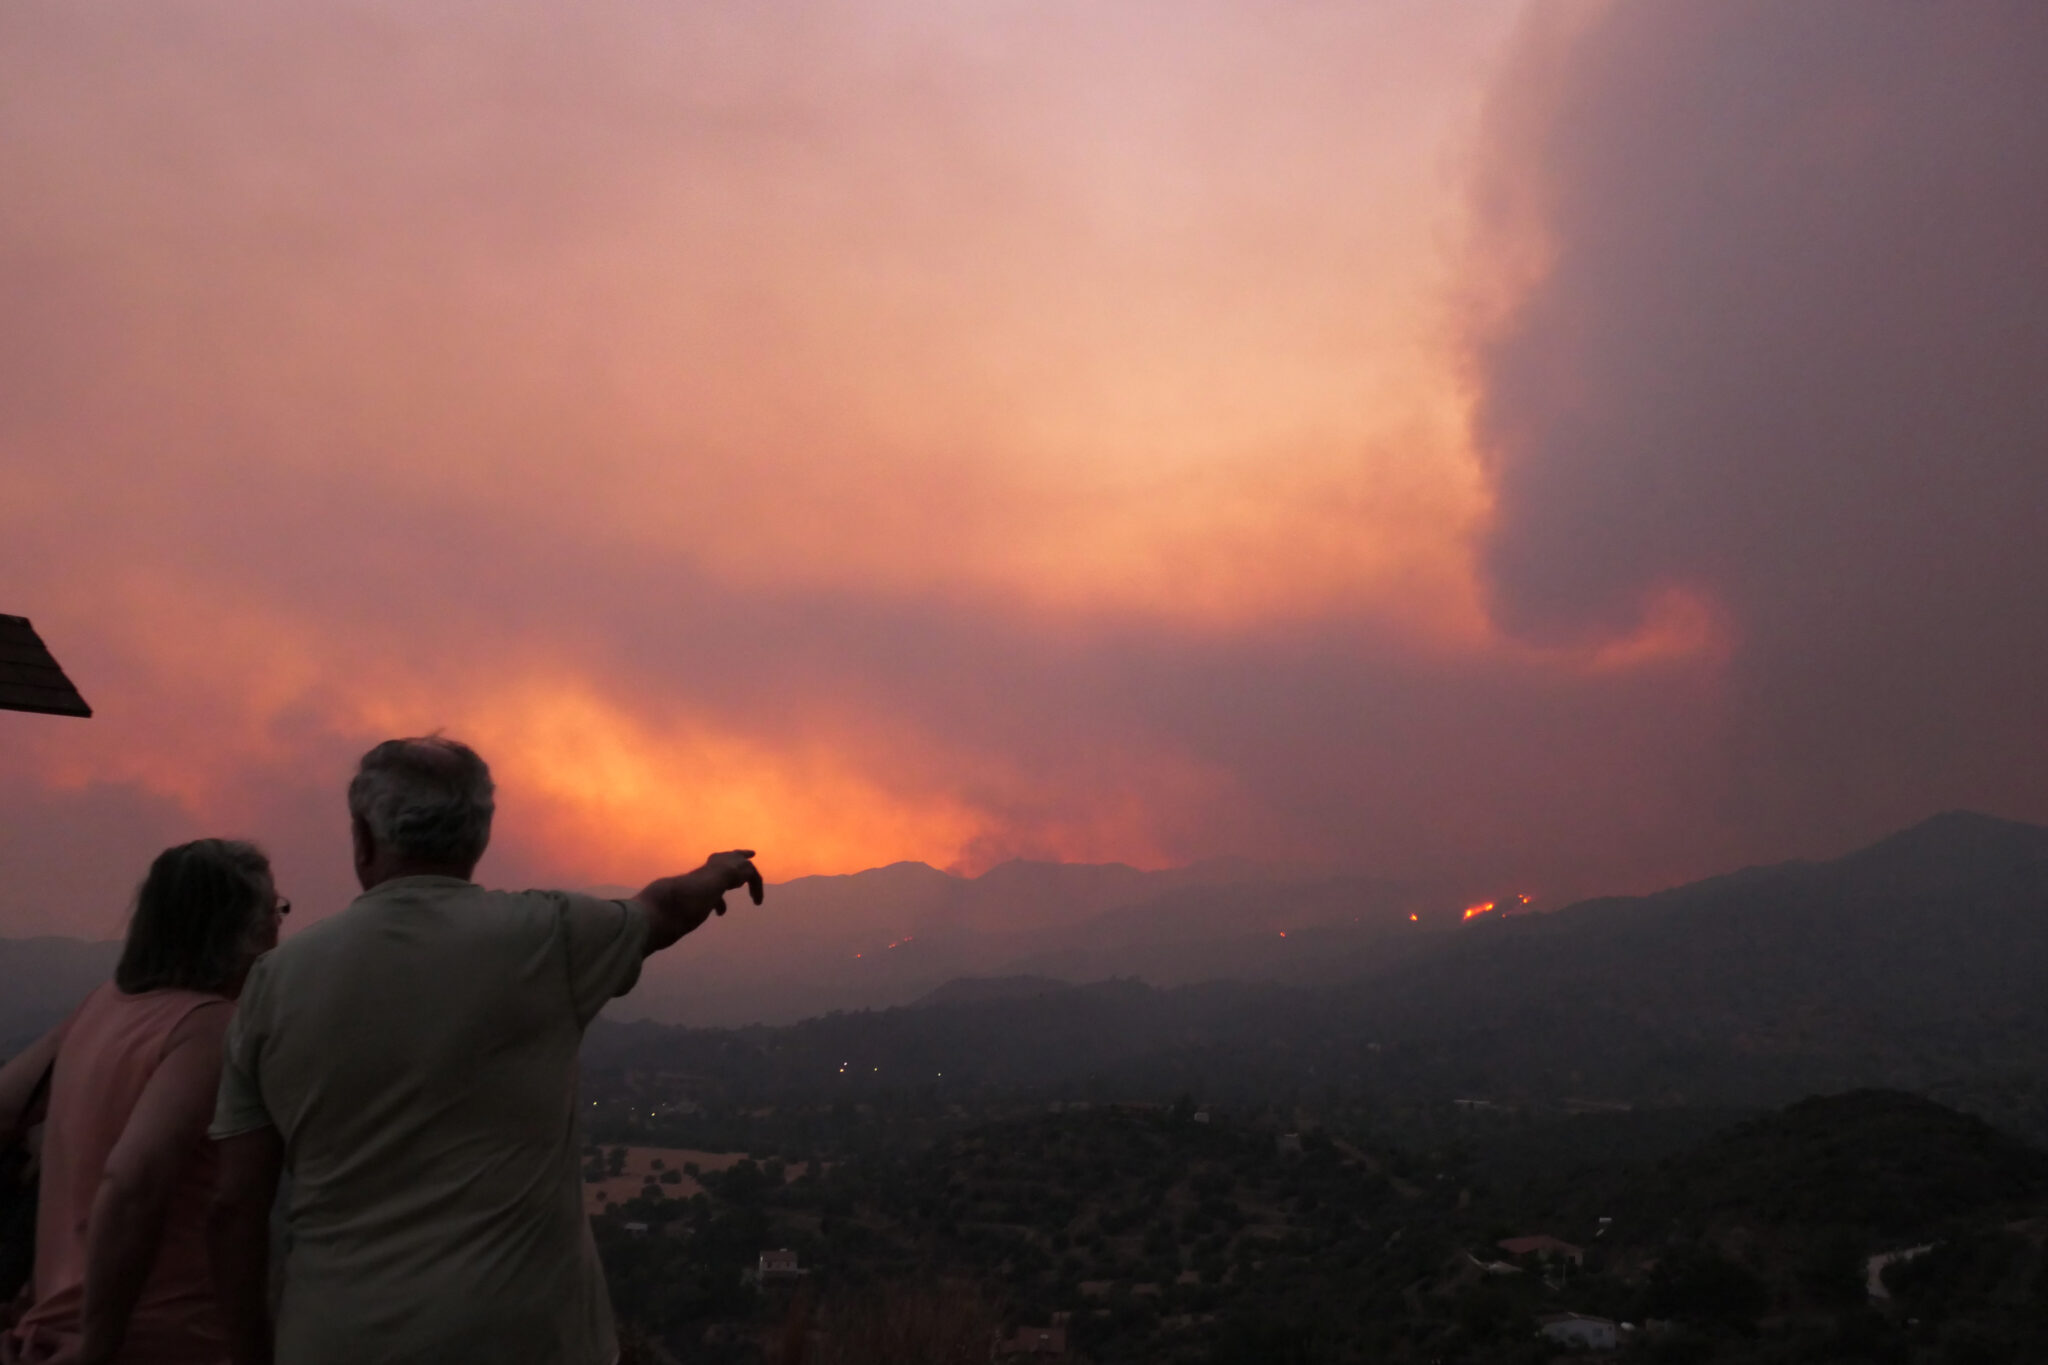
(165, 1009)
(112, 1025)
(164, 999)
(205, 1023)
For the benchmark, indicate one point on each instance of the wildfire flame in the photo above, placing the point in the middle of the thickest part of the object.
(1474, 910)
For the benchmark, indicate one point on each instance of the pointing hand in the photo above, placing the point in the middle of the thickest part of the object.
(731, 871)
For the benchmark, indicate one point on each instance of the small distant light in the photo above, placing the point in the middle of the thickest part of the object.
(1414, 918)
(1283, 933)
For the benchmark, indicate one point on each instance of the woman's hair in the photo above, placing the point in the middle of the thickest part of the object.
(194, 917)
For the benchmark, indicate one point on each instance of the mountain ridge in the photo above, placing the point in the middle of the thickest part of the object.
(1914, 963)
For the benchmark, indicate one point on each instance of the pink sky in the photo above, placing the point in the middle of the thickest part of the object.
(886, 431)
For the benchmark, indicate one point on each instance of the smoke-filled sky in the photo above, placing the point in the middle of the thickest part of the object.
(1584, 444)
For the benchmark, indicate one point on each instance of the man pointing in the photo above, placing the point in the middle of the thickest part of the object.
(412, 1063)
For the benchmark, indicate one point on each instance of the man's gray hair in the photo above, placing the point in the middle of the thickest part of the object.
(428, 799)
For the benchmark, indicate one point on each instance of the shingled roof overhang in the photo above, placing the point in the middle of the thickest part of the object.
(30, 679)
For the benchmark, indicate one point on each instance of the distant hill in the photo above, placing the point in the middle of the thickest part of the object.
(1941, 918)
(978, 990)
(1916, 963)
(891, 935)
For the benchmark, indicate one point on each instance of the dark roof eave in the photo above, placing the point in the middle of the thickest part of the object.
(30, 678)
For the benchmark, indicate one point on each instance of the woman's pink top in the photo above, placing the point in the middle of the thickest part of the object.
(110, 1049)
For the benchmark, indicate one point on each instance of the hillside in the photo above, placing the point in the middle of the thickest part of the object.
(1171, 1233)
(1894, 1167)
(889, 936)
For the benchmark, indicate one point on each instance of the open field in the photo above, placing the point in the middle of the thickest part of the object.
(641, 1165)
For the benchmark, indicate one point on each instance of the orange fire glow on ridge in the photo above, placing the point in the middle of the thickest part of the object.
(1472, 911)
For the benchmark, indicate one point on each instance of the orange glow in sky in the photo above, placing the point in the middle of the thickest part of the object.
(858, 433)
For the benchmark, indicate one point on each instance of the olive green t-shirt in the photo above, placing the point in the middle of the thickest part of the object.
(417, 1054)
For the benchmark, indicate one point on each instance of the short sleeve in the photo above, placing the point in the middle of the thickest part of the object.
(606, 942)
(239, 1108)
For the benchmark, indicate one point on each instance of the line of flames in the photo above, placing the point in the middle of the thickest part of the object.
(1474, 911)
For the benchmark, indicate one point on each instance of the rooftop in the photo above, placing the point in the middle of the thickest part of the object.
(30, 679)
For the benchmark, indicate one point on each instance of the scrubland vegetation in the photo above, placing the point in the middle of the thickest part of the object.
(1176, 1233)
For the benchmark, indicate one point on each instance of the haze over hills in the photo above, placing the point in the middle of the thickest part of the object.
(1914, 963)
(891, 935)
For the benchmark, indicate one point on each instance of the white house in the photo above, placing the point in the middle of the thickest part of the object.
(778, 1267)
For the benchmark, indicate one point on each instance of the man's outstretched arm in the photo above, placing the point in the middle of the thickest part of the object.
(676, 905)
(238, 1237)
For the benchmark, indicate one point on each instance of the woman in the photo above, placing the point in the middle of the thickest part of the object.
(121, 1269)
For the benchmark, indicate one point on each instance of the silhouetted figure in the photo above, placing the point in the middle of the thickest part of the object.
(412, 1062)
(127, 1173)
